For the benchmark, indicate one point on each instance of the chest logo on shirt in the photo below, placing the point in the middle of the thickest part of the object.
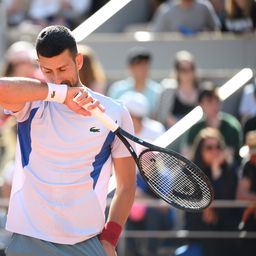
(94, 129)
(53, 94)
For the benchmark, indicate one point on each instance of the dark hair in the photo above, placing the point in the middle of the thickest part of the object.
(204, 134)
(8, 69)
(54, 40)
(138, 54)
(208, 90)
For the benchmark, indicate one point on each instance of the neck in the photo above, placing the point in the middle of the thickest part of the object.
(187, 86)
(140, 84)
(213, 121)
(186, 3)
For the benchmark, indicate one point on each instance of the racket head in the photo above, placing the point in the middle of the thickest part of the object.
(175, 179)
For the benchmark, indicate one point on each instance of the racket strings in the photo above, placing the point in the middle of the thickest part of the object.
(174, 180)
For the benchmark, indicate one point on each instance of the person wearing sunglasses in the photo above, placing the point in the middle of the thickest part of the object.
(210, 154)
(180, 92)
(214, 117)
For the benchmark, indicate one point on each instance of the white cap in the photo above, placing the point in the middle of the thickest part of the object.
(20, 51)
(136, 103)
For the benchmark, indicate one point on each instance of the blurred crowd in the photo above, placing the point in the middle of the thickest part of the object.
(236, 16)
(223, 145)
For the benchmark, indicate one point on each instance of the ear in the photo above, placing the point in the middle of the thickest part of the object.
(79, 60)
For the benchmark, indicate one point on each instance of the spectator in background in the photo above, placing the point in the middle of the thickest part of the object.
(180, 94)
(8, 141)
(92, 73)
(62, 12)
(247, 183)
(139, 60)
(138, 106)
(20, 60)
(211, 155)
(240, 16)
(219, 7)
(247, 191)
(250, 125)
(249, 120)
(227, 124)
(186, 16)
(141, 216)
(153, 6)
(16, 11)
(247, 107)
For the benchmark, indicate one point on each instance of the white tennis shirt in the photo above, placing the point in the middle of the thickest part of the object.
(63, 165)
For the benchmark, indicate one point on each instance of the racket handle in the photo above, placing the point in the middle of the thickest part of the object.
(241, 225)
(100, 116)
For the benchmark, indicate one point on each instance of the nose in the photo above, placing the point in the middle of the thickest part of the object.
(57, 79)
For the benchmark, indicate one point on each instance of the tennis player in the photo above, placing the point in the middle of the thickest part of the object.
(64, 159)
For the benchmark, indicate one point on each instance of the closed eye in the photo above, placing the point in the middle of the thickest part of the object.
(47, 71)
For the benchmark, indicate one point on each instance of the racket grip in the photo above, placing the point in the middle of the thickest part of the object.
(100, 116)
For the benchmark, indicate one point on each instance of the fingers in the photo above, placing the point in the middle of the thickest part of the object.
(95, 104)
(86, 101)
(83, 112)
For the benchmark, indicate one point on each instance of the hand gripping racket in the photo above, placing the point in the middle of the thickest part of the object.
(169, 175)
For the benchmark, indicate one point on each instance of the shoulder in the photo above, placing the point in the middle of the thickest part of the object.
(106, 100)
(119, 87)
(169, 84)
(248, 169)
(154, 86)
(203, 4)
(113, 107)
(249, 89)
(226, 117)
(27, 111)
(157, 126)
(166, 8)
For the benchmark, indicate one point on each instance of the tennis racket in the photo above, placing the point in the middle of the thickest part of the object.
(170, 176)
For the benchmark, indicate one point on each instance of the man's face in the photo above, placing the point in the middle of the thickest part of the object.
(62, 69)
(211, 106)
(140, 69)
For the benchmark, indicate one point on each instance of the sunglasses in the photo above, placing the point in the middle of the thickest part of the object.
(186, 70)
(210, 147)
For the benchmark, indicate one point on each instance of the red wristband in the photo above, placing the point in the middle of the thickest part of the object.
(111, 232)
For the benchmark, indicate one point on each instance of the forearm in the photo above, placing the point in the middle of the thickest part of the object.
(121, 205)
(246, 195)
(21, 90)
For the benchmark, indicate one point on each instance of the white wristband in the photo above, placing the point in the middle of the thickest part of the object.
(57, 92)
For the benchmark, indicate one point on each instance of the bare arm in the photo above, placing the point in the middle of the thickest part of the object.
(16, 91)
(121, 204)
(243, 190)
(125, 173)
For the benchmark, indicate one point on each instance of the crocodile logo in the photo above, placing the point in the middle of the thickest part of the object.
(94, 129)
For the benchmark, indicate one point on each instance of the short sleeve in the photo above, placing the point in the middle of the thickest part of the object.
(23, 114)
(118, 148)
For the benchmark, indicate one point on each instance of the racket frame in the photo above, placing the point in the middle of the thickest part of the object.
(122, 135)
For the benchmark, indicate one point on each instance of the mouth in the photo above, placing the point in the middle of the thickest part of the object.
(66, 82)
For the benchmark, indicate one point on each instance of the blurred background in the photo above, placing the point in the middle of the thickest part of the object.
(162, 58)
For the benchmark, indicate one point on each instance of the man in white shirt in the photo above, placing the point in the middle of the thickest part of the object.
(64, 159)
